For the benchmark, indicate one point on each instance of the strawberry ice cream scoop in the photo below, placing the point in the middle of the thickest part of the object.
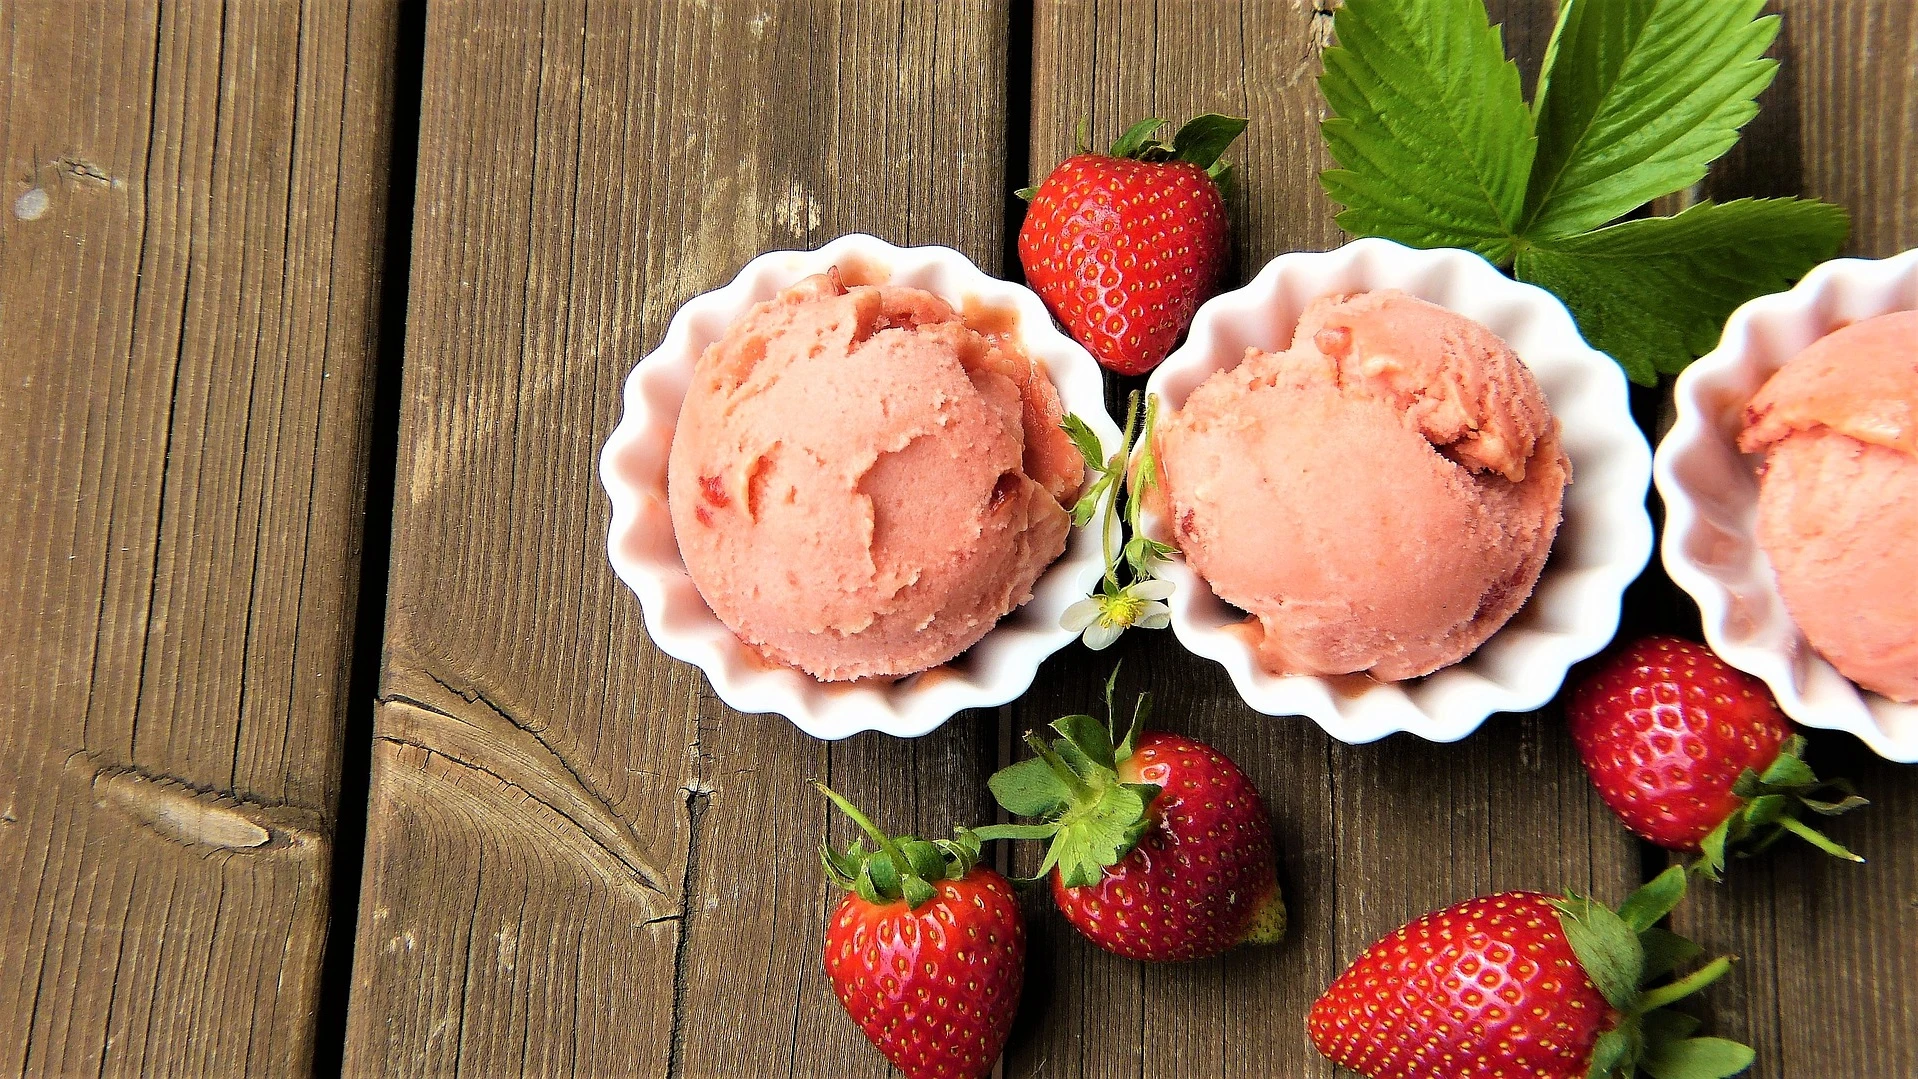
(1838, 499)
(1379, 498)
(862, 485)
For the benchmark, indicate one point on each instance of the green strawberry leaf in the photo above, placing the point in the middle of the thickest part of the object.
(1205, 137)
(1635, 99)
(1654, 293)
(1606, 947)
(1028, 788)
(1429, 126)
(1665, 951)
(1697, 1058)
(1654, 900)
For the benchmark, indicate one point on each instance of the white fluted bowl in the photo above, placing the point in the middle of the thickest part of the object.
(1711, 498)
(1602, 544)
(643, 552)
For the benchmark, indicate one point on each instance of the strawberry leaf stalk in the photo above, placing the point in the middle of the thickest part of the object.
(1696, 757)
(926, 950)
(1159, 847)
(1527, 984)
(1115, 495)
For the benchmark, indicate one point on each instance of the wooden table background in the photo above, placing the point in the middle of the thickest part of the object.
(332, 742)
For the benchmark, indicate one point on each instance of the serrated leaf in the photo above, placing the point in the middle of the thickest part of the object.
(1653, 900)
(1665, 951)
(1430, 127)
(1606, 947)
(1635, 99)
(1028, 788)
(1089, 736)
(1205, 137)
(1654, 293)
(1697, 1058)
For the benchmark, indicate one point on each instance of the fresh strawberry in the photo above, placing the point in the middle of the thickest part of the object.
(1125, 246)
(1695, 756)
(1523, 984)
(926, 950)
(1161, 849)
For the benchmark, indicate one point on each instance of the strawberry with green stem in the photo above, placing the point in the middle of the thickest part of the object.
(1696, 757)
(1521, 983)
(1159, 847)
(926, 950)
(1115, 495)
(1124, 246)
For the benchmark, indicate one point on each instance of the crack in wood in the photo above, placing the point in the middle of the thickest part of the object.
(490, 743)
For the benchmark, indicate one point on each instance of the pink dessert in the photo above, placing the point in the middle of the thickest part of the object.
(1838, 498)
(1380, 497)
(861, 484)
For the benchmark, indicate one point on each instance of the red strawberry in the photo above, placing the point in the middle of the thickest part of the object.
(1523, 984)
(926, 951)
(1125, 246)
(1695, 756)
(1161, 849)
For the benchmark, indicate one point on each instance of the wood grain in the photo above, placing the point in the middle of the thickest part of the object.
(579, 860)
(1370, 836)
(1830, 950)
(189, 265)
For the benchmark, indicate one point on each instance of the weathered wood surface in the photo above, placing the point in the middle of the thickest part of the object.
(577, 859)
(190, 248)
(1370, 836)
(1829, 982)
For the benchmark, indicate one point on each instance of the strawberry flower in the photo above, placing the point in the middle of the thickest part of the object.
(1117, 606)
(1103, 616)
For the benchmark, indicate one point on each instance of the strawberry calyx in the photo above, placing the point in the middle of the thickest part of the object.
(1198, 142)
(1623, 952)
(899, 867)
(1771, 807)
(1092, 817)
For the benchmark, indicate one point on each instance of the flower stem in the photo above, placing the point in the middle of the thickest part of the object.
(1116, 469)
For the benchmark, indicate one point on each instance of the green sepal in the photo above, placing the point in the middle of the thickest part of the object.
(1649, 904)
(1773, 803)
(1137, 139)
(1697, 1058)
(1622, 953)
(1205, 137)
(1665, 951)
(1072, 785)
(900, 867)
(1025, 193)
(1606, 947)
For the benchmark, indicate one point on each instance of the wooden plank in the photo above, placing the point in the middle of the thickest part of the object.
(579, 860)
(1829, 982)
(189, 261)
(1372, 835)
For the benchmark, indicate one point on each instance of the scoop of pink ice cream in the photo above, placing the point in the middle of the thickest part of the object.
(1381, 497)
(861, 485)
(1838, 499)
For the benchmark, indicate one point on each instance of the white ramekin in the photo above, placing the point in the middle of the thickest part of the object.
(1710, 492)
(643, 552)
(1602, 544)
